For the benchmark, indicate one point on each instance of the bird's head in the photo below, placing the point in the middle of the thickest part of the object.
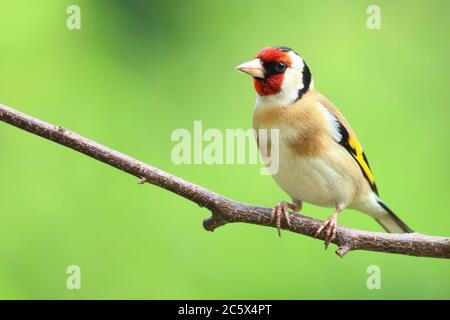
(280, 75)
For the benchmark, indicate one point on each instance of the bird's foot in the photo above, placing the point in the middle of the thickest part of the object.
(328, 228)
(281, 210)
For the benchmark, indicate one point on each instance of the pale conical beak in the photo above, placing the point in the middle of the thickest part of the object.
(253, 68)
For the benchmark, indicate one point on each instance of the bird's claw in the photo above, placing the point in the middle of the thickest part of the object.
(279, 211)
(328, 228)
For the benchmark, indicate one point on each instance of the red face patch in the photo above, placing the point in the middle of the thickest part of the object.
(272, 83)
(270, 54)
(268, 86)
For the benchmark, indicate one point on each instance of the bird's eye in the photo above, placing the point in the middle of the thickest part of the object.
(281, 66)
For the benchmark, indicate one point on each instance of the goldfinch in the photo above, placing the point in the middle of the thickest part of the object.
(320, 159)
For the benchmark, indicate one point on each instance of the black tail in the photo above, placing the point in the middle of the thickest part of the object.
(391, 223)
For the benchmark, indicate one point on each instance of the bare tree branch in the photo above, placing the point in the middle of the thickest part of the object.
(225, 210)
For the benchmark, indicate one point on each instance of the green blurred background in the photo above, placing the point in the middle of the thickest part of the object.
(136, 71)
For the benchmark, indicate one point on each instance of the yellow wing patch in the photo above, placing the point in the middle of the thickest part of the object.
(356, 151)
(360, 157)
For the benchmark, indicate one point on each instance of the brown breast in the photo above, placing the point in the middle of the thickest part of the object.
(303, 125)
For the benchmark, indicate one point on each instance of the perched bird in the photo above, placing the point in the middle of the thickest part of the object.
(320, 159)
